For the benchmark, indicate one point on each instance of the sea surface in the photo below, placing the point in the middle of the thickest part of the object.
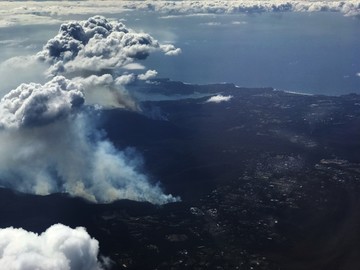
(317, 53)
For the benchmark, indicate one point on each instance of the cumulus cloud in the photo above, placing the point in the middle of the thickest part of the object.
(94, 80)
(170, 49)
(59, 247)
(219, 99)
(125, 79)
(148, 75)
(49, 143)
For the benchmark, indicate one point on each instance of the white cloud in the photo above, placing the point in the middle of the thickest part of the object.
(186, 15)
(134, 66)
(8, 20)
(94, 80)
(211, 23)
(59, 247)
(238, 22)
(45, 12)
(170, 50)
(148, 75)
(219, 99)
(125, 79)
(358, 74)
(215, 23)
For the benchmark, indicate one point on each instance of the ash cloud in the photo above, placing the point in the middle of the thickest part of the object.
(59, 247)
(49, 143)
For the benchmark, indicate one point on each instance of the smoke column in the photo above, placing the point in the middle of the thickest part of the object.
(49, 141)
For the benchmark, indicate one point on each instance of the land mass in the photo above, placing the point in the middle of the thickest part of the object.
(268, 180)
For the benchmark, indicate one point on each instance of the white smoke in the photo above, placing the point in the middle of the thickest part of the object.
(35, 104)
(59, 247)
(49, 143)
(20, 69)
(105, 91)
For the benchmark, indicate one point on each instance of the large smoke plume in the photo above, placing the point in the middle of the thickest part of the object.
(49, 141)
